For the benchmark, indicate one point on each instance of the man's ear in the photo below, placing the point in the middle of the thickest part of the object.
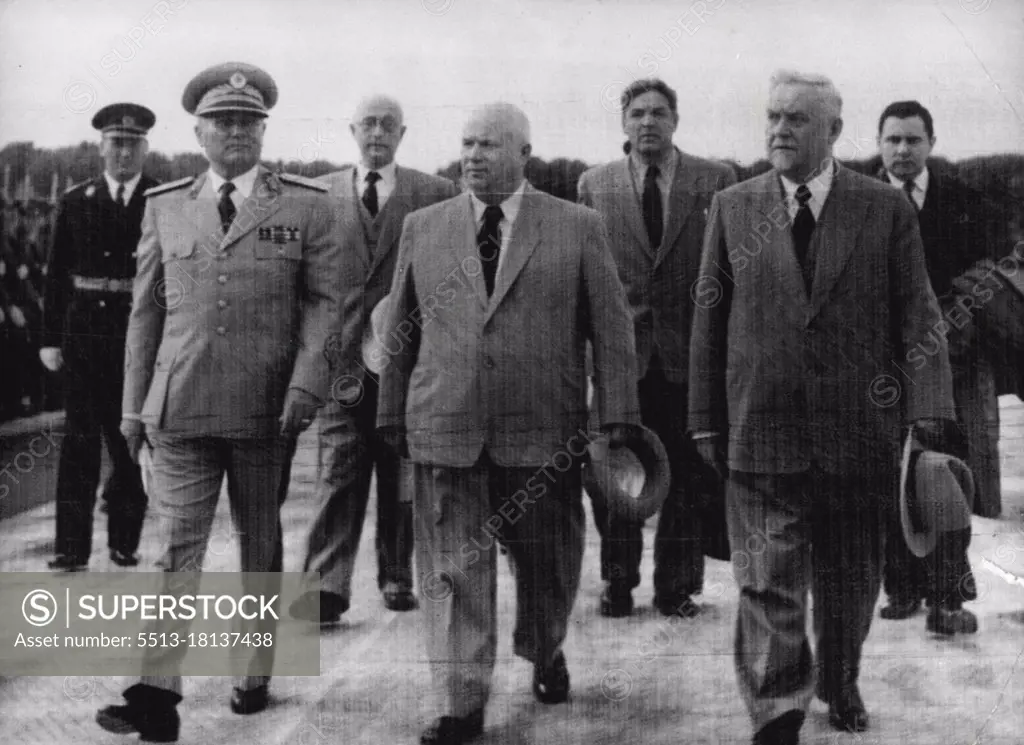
(835, 129)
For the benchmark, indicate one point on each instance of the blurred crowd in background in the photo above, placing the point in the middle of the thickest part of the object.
(26, 388)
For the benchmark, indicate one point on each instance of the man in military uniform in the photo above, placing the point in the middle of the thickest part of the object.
(375, 195)
(239, 281)
(88, 300)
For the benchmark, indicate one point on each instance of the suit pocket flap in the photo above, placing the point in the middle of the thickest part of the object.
(291, 250)
(179, 250)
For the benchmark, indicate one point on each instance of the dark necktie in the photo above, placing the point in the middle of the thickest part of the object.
(803, 226)
(120, 194)
(488, 241)
(225, 206)
(908, 189)
(653, 217)
(370, 195)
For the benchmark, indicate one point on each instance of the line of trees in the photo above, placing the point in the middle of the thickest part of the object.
(1000, 177)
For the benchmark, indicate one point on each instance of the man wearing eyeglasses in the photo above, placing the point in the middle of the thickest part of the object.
(375, 195)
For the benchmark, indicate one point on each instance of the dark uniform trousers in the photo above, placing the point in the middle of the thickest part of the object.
(349, 450)
(678, 548)
(187, 473)
(93, 377)
(460, 516)
(791, 533)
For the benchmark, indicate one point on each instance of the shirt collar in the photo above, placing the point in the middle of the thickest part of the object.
(387, 174)
(243, 182)
(129, 185)
(666, 173)
(920, 181)
(820, 186)
(509, 207)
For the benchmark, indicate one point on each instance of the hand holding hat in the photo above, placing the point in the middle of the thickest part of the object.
(628, 471)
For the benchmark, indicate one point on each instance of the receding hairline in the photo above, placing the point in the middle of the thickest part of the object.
(822, 85)
(512, 120)
(378, 99)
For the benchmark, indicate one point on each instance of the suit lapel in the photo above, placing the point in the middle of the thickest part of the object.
(622, 183)
(350, 200)
(465, 222)
(135, 203)
(840, 222)
(260, 205)
(681, 199)
(525, 236)
(772, 196)
(395, 210)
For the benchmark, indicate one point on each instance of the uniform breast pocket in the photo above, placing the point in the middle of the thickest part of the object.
(278, 251)
(179, 250)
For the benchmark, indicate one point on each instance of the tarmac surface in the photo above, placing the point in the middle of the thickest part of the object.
(638, 680)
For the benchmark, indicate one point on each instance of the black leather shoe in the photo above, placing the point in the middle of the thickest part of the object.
(251, 701)
(846, 710)
(783, 730)
(123, 558)
(65, 563)
(680, 605)
(398, 598)
(454, 730)
(900, 608)
(616, 601)
(551, 682)
(332, 606)
(150, 711)
(950, 621)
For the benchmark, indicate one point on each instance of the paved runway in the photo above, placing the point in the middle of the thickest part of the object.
(637, 680)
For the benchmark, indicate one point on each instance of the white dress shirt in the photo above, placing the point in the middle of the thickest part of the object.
(510, 210)
(385, 185)
(129, 186)
(666, 175)
(243, 185)
(920, 186)
(820, 186)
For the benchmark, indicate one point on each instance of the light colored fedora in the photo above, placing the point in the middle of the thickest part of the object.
(936, 491)
(632, 481)
(373, 350)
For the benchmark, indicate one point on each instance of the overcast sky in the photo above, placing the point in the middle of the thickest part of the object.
(563, 61)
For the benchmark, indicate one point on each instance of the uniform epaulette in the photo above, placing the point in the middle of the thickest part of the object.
(180, 183)
(291, 178)
(75, 187)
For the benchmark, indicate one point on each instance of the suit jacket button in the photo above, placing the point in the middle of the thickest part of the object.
(106, 254)
(489, 362)
(221, 330)
(222, 304)
(102, 303)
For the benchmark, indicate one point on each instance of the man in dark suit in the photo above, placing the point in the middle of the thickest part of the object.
(654, 203)
(805, 361)
(374, 195)
(495, 296)
(951, 217)
(88, 300)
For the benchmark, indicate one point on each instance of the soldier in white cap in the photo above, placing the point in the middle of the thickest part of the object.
(239, 285)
